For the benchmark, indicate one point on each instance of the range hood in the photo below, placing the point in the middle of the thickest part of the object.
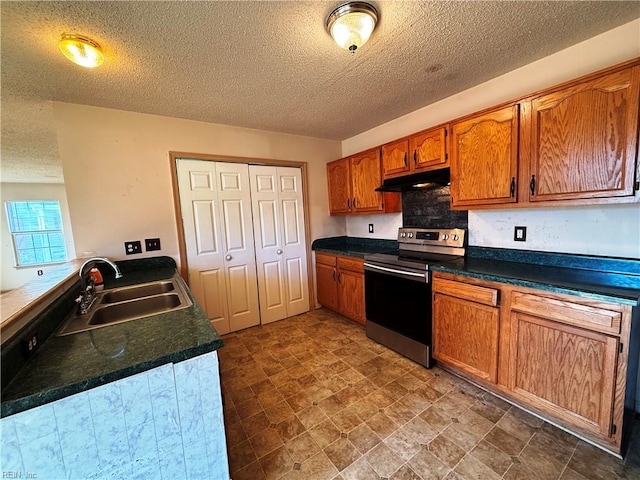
(429, 179)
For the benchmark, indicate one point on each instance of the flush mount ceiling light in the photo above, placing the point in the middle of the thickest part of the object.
(351, 24)
(81, 50)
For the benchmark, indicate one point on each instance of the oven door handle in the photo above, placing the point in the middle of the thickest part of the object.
(397, 272)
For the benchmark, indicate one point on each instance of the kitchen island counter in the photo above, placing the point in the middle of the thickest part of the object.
(65, 365)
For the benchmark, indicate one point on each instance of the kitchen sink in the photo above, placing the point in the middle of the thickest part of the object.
(137, 291)
(132, 309)
(125, 304)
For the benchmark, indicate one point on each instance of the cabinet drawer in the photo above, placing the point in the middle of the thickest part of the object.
(466, 291)
(354, 264)
(326, 259)
(593, 318)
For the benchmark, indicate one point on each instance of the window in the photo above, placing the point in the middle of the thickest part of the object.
(36, 230)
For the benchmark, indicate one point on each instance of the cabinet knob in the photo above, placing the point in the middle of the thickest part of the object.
(228, 257)
(279, 252)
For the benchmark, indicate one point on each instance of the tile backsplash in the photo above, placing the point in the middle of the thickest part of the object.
(430, 208)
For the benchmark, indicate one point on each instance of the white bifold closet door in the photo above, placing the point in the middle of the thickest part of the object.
(215, 202)
(281, 254)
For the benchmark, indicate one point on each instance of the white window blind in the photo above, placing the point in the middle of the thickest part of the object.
(36, 230)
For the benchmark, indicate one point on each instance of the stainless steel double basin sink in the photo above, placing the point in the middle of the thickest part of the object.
(125, 304)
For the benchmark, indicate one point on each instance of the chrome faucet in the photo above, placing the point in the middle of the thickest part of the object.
(87, 288)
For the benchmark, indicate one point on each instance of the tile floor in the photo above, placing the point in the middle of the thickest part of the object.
(311, 397)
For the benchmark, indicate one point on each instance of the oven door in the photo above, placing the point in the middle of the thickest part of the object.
(399, 301)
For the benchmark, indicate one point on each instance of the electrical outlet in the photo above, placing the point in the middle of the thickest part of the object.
(151, 244)
(371, 228)
(30, 344)
(132, 247)
(520, 234)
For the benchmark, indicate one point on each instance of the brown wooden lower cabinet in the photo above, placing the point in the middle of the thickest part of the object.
(563, 357)
(465, 333)
(327, 284)
(341, 285)
(568, 370)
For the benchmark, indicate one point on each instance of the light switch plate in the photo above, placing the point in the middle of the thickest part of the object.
(151, 244)
(520, 234)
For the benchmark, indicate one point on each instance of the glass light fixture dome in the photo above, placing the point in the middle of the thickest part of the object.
(81, 50)
(351, 24)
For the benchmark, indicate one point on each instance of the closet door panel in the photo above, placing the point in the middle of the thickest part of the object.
(239, 251)
(268, 242)
(199, 204)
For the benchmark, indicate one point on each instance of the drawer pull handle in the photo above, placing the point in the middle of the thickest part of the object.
(532, 185)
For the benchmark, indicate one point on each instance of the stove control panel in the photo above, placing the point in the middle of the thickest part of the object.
(445, 237)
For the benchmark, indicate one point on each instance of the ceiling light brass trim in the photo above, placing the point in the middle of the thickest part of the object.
(352, 7)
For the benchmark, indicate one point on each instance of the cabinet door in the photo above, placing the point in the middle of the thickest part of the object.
(566, 370)
(366, 176)
(484, 154)
(327, 276)
(338, 177)
(429, 150)
(395, 159)
(584, 139)
(465, 335)
(351, 285)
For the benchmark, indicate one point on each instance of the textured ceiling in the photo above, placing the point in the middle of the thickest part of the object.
(265, 64)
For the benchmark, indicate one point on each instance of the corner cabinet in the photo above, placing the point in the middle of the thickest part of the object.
(484, 158)
(339, 178)
(327, 279)
(420, 152)
(564, 357)
(352, 182)
(584, 139)
(341, 285)
(560, 367)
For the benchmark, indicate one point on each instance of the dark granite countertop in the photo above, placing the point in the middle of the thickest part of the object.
(70, 364)
(609, 279)
(353, 246)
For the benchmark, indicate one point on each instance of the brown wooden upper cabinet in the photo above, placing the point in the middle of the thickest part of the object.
(423, 151)
(339, 178)
(576, 143)
(484, 158)
(572, 144)
(584, 139)
(352, 183)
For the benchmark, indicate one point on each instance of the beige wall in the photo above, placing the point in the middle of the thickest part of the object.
(117, 173)
(573, 230)
(13, 277)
